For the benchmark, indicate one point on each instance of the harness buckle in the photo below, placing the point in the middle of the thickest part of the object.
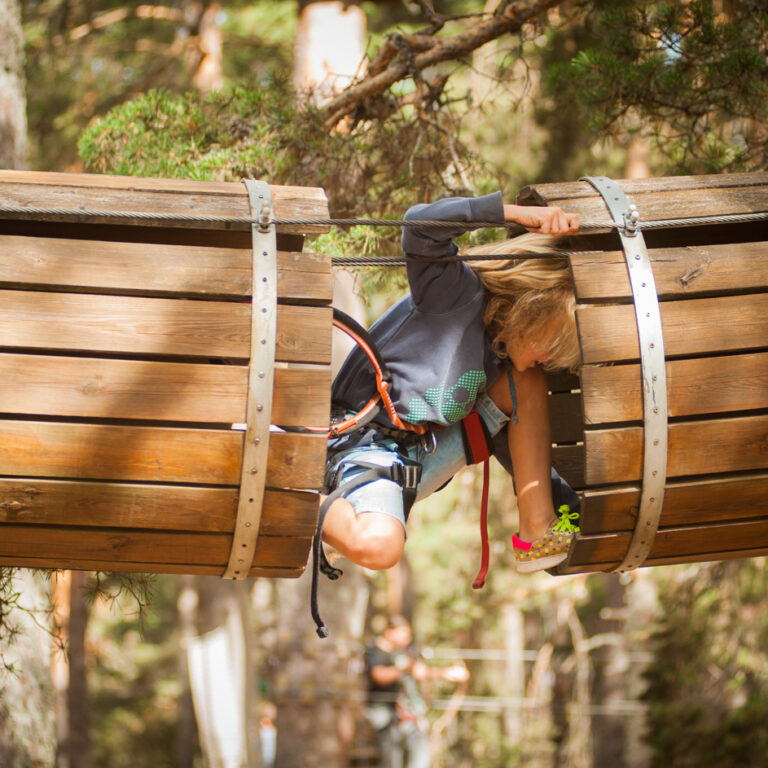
(428, 442)
(407, 476)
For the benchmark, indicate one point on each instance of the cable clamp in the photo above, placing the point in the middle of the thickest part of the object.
(631, 219)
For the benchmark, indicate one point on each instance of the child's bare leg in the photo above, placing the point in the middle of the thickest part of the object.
(530, 447)
(370, 539)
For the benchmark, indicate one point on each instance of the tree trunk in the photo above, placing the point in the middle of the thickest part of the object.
(78, 741)
(219, 673)
(27, 727)
(329, 49)
(512, 624)
(318, 683)
(60, 596)
(187, 608)
(610, 684)
(13, 116)
(208, 75)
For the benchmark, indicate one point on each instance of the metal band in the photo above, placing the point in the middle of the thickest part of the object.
(260, 382)
(653, 369)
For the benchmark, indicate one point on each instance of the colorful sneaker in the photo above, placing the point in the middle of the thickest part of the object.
(550, 549)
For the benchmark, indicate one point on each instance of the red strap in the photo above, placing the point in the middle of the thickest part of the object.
(479, 581)
(475, 435)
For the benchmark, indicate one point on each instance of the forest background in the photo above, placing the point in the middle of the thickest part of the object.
(667, 667)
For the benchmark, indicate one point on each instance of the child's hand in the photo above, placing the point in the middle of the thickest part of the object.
(543, 219)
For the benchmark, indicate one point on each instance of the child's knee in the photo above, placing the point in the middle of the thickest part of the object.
(379, 542)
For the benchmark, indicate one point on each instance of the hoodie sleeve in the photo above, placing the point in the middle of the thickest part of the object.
(439, 287)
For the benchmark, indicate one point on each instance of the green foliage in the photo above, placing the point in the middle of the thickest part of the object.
(240, 132)
(708, 682)
(9, 603)
(687, 77)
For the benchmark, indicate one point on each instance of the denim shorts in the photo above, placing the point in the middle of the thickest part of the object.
(386, 496)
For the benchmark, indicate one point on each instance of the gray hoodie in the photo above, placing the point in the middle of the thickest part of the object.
(433, 340)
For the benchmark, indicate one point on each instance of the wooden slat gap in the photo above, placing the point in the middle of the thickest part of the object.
(159, 484)
(120, 422)
(142, 357)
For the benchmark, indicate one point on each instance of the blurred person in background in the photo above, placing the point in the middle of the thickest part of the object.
(395, 707)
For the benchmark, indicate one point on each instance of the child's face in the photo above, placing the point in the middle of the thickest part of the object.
(526, 354)
(529, 351)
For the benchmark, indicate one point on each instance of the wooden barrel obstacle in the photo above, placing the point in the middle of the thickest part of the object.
(694, 485)
(134, 388)
(130, 347)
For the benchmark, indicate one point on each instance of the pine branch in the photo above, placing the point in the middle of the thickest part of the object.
(425, 51)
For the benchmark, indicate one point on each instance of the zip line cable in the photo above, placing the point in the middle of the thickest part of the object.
(12, 208)
(354, 261)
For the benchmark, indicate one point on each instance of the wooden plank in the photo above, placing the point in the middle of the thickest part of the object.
(144, 454)
(670, 198)
(693, 327)
(122, 389)
(673, 543)
(152, 548)
(696, 386)
(303, 334)
(695, 448)
(715, 499)
(272, 572)
(100, 265)
(543, 193)
(565, 417)
(302, 397)
(707, 557)
(146, 195)
(33, 501)
(150, 326)
(685, 271)
(133, 389)
(568, 460)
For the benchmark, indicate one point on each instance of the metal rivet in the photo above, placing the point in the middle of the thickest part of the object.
(240, 561)
(637, 257)
(655, 410)
(256, 440)
(263, 279)
(259, 407)
(651, 345)
(643, 284)
(247, 525)
(263, 341)
(237, 572)
(651, 499)
(264, 310)
(261, 374)
(655, 442)
(655, 473)
(264, 253)
(253, 472)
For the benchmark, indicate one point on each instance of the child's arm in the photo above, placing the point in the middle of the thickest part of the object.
(544, 219)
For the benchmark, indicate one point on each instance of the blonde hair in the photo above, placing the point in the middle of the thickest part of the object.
(530, 297)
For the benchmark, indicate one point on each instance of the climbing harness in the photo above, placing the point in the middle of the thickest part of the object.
(405, 472)
(372, 408)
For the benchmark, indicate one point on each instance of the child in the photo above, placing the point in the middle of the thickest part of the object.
(466, 337)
